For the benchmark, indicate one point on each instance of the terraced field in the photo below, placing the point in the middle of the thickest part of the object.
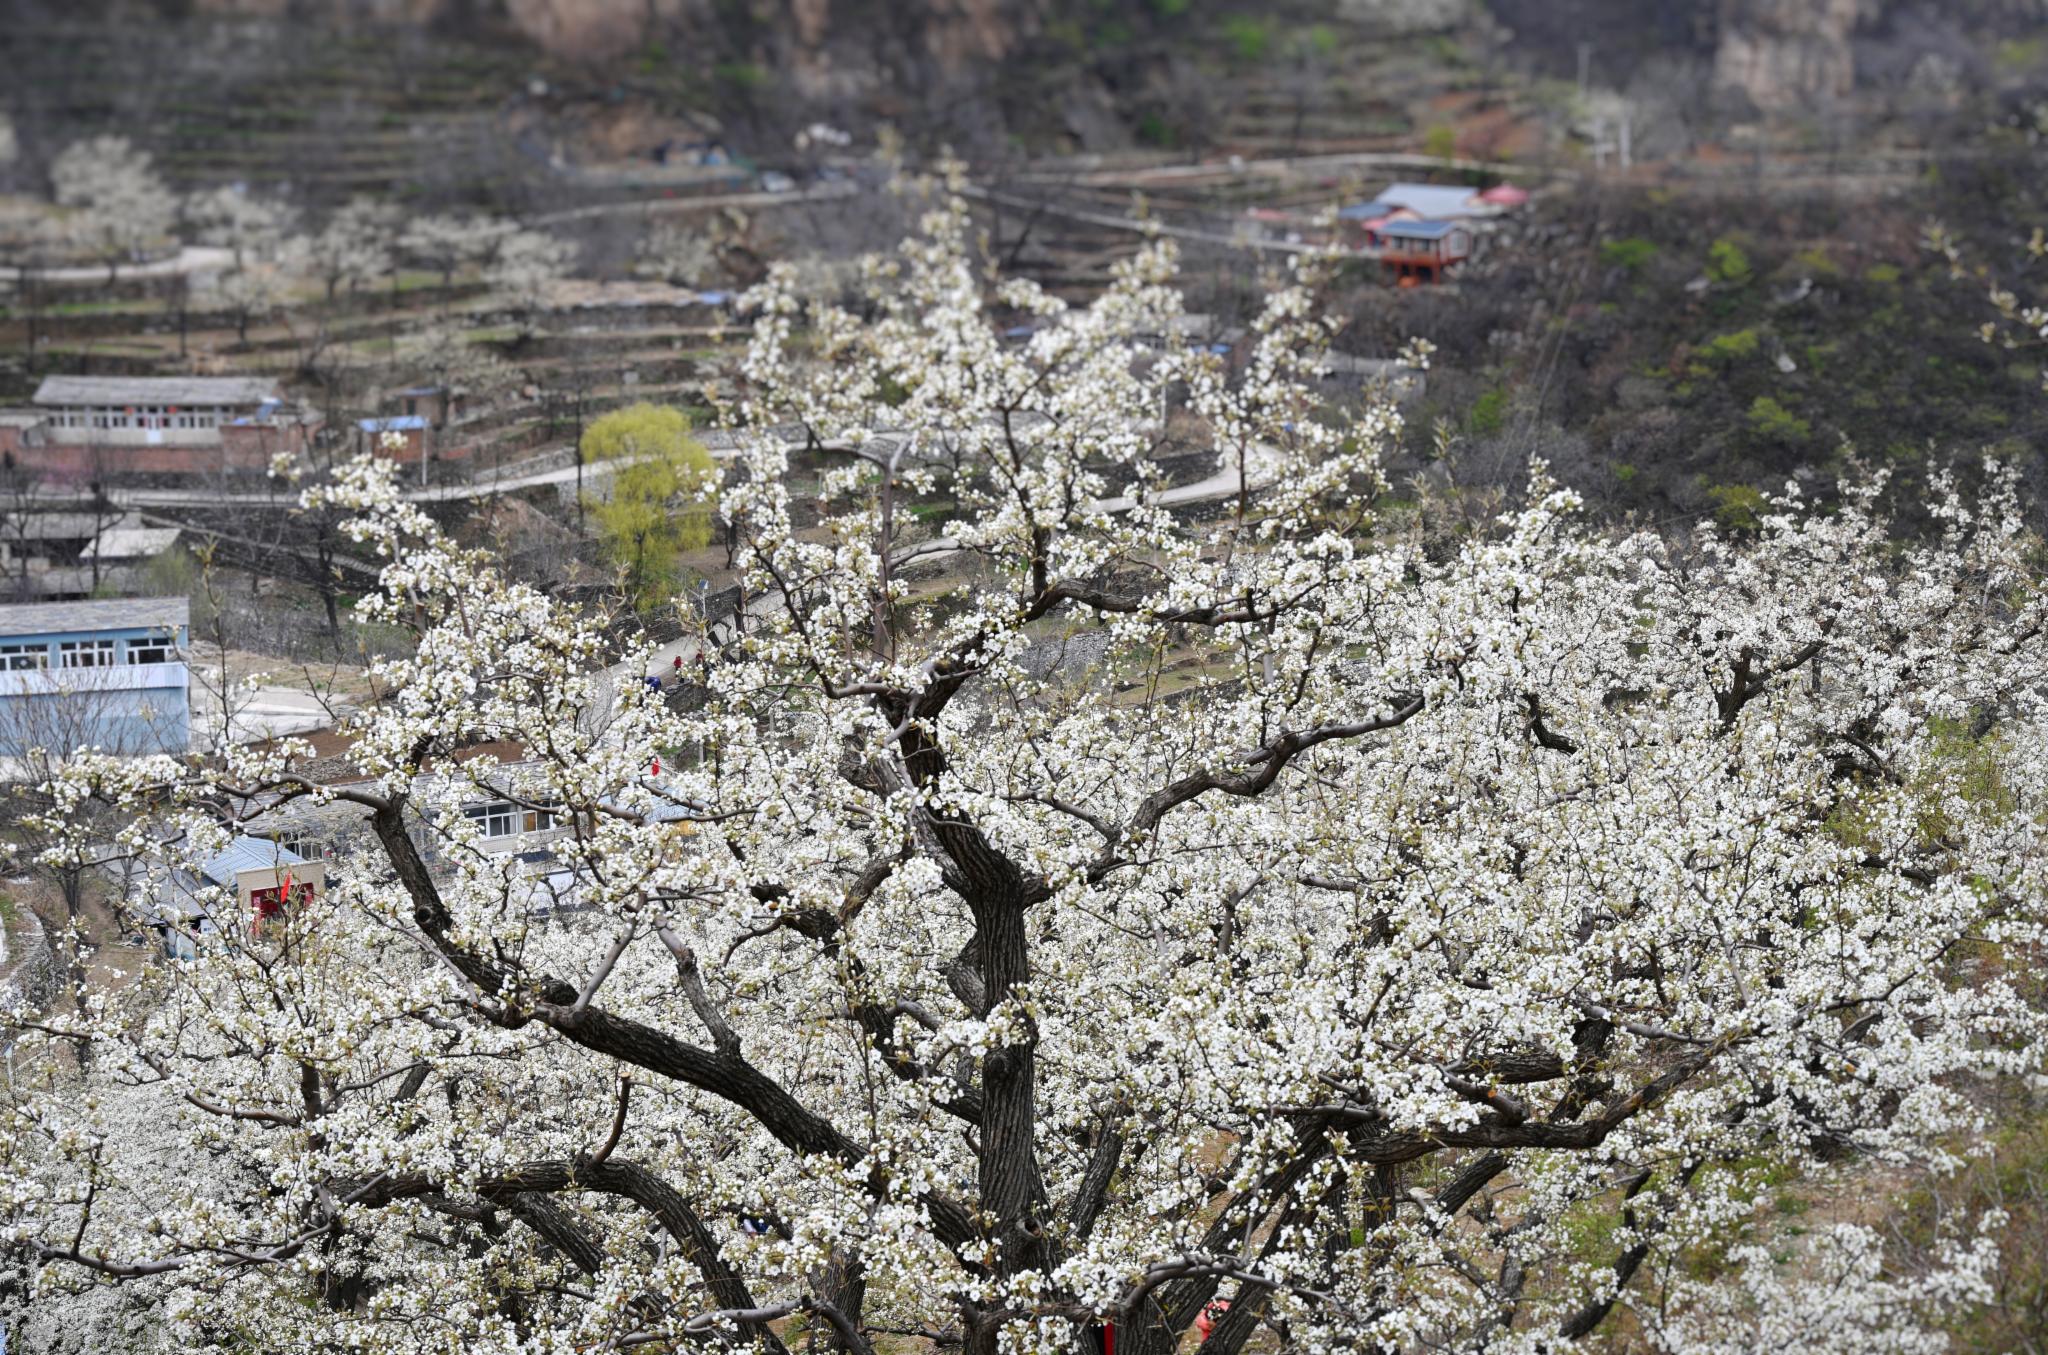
(324, 113)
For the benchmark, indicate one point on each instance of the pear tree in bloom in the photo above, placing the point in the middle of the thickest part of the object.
(233, 218)
(1417, 946)
(353, 248)
(253, 229)
(119, 205)
(447, 244)
(251, 294)
(686, 255)
(524, 267)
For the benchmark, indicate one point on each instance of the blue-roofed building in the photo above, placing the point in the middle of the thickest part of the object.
(1421, 230)
(1367, 211)
(438, 405)
(401, 437)
(1365, 224)
(109, 675)
(257, 878)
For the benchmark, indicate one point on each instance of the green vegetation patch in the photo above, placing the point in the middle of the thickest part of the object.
(1248, 37)
(1724, 350)
(1631, 253)
(1489, 413)
(1773, 422)
(1738, 507)
(1728, 263)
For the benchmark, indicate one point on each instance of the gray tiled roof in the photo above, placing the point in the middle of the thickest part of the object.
(157, 390)
(55, 526)
(51, 618)
(130, 540)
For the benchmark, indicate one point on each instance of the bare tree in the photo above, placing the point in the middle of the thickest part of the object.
(33, 248)
(103, 513)
(49, 718)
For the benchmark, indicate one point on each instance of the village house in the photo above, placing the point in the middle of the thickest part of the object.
(109, 675)
(40, 552)
(518, 824)
(504, 825)
(429, 427)
(263, 879)
(1363, 222)
(121, 550)
(1420, 230)
(109, 427)
(1420, 251)
(51, 556)
(438, 405)
(404, 438)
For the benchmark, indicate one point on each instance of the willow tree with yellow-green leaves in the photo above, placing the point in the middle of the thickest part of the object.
(657, 501)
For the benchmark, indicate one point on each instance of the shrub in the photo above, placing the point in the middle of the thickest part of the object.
(1727, 263)
(1737, 507)
(1816, 262)
(892, 390)
(1248, 37)
(1774, 423)
(169, 575)
(1631, 253)
(1440, 141)
(2013, 1176)
(1068, 33)
(743, 76)
(1726, 349)
(1489, 413)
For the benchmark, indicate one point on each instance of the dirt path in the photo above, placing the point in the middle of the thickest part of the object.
(190, 259)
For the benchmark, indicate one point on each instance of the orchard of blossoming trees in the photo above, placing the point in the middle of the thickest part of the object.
(1419, 945)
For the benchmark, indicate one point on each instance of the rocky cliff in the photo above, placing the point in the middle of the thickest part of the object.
(954, 33)
(1777, 56)
(1788, 54)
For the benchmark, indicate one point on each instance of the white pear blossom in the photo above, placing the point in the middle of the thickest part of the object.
(1415, 944)
(119, 204)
